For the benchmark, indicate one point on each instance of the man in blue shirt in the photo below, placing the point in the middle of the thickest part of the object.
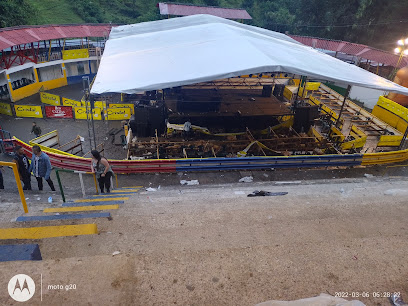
(41, 167)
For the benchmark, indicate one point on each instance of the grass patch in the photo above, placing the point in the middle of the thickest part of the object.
(54, 12)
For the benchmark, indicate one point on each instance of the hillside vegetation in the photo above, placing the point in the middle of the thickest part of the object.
(377, 23)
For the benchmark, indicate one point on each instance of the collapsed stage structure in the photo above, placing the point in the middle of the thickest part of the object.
(204, 86)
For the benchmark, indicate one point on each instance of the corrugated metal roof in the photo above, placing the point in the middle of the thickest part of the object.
(187, 10)
(27, 34)
(363, 51)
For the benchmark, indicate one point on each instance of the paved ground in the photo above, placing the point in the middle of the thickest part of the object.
(212, 245)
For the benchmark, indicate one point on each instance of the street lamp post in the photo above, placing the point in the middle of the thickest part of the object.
(402, 50)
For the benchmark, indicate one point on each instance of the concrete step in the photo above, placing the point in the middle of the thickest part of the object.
(13, 252)
(63, 217)
(93, 203)
(48, 231)
(99, 200)
(124, 191)
(105, 196)
(80, 208)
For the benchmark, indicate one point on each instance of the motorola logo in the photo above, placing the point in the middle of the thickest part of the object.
(21, 287)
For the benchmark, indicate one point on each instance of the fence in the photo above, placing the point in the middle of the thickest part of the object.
(210, 164)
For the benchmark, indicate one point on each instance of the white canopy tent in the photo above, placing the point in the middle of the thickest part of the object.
(199, 48)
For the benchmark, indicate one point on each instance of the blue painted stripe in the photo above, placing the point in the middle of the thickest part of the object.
(263, 166)
(72, 204)
(64, 217)
(241, 160)
(268, 162)
(20, 252)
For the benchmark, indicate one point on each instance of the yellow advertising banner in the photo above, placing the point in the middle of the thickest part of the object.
(75, 53)
(51, 99)
(31, 111)
(99, 104)
(5, 109)
(80, 113)
(72, 103)
(118, 113)
(116, 105)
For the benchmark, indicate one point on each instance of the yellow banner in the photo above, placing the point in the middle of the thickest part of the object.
(5, 109)
(118, 113)
(80, 113)
(70, 102)
(99, 104)
(131, 106)
(28, 111)
(312, 85)
(75, 53)
(51, 99)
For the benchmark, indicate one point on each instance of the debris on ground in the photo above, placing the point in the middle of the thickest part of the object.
(151, 189)
(396, 300)
(246, 179)
(239, 192)
(189, 183)
(367, 175)
(115, 253)
(263, 193)
(394, 192)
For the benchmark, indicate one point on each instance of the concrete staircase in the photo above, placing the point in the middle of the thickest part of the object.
(93, 207)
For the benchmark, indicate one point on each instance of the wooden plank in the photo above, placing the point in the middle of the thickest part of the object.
(48, 231)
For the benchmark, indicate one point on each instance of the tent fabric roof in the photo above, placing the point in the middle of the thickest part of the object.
(363, 51)
(199, 48)
(28, 34)
(186, 10)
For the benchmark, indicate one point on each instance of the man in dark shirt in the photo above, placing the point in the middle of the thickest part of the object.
(36, 130)
(23, 165)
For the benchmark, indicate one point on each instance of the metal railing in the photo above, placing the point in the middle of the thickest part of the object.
(81, 180)
(18, 182)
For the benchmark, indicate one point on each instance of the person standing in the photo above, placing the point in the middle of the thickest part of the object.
(36, 130)
(41, 167)
(22, 165)
(186, 129)
(100, 166)
(1, 178)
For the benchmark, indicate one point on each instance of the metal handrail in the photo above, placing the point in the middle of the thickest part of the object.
(80, 173)
(18, 182)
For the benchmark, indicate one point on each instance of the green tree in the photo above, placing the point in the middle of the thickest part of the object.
(15, 13)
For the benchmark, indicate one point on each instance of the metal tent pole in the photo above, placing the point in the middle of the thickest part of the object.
(342, 105)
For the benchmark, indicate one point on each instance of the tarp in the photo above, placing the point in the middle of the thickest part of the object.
(200, 48)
